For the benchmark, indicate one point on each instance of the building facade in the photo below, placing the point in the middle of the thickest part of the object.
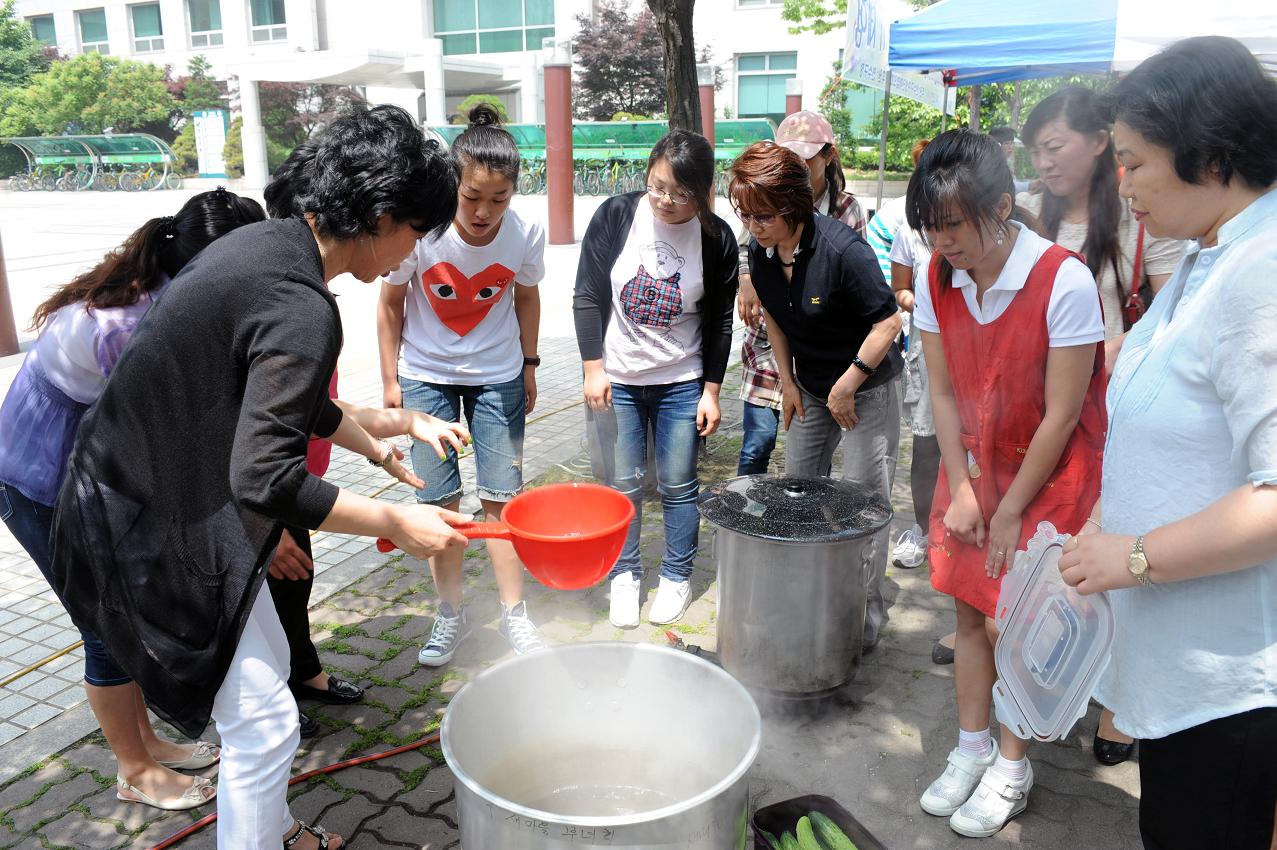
(424, 55)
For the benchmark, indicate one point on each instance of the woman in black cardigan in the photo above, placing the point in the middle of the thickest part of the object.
(653, 309)
(194, 458)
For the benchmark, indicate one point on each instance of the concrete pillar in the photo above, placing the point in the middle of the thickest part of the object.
(793, 96)
(8, 328)
(253, 138)
(558, 149)
(529, 94)
(705, 84)
(436, 99)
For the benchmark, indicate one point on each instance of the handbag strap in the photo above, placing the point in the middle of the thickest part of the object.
(1138, 270)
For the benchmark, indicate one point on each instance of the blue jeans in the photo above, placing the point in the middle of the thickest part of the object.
(495, 415)
(759, 424)
(30, 523)
(670, 410)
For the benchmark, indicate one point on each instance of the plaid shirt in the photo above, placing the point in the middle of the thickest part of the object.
(760, 381)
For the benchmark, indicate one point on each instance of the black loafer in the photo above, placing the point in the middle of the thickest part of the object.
(339, 692)
(1112, 752)
(310, 726)
(941, 654)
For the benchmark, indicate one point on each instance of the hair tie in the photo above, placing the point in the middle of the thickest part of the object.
(168, 228)
(220, 192)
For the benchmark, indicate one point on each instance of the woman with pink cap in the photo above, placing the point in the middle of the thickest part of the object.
(810, 136)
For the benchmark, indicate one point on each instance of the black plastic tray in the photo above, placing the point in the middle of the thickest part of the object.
(783, 817)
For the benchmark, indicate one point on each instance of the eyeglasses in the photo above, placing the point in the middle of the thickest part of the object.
(680, 198)
(761, 219)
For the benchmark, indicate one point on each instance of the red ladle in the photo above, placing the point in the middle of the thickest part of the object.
(568, 535)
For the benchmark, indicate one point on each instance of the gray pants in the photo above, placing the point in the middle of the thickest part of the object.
(868, 459)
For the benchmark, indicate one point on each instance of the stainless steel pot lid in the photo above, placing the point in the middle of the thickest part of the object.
(795, 509)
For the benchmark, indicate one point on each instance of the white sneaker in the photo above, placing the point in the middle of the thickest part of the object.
(624, 610)
(911, 549)
(953, 787)
(445, 637)
(672, 598)
(996, 800)
(518, 629)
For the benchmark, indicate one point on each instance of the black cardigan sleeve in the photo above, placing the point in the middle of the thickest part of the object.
(289, 344)
(721, 260)
(592, 298)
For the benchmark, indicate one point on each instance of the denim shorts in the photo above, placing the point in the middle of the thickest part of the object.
(495, 416)
(30, 523)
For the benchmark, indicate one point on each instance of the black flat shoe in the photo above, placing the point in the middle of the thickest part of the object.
(941, 654)
(1112, 752)
(339, 692)
(310, 726)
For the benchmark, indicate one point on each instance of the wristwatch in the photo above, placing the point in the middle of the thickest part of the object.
(532, 361)
(1137, 563)
(384, 463)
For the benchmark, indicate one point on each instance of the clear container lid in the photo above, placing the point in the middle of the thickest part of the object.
(795, 509)
(1053, 643)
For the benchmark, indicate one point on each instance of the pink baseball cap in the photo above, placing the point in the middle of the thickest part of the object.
(805, 133)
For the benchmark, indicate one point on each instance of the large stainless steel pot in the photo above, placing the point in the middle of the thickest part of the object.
(602, 745)
(792, 579)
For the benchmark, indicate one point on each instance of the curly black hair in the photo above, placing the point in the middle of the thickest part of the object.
(1208, 101)
(367, 163)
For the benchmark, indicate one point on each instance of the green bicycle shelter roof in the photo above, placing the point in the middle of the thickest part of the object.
(606, 140)
(122, 148)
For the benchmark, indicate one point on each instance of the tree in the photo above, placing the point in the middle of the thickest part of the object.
(88, 93)
(185, 155)
(817, 17)
(464, 107)
(833, 105)
(682, 98)
(21, 56)
(197, 90)
(620, 59)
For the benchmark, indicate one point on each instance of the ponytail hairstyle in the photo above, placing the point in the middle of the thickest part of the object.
(157, 250)
(485, 144)
(367, 163)
(1083, 113)
(691, 158)
(835, 180)
(960, 174)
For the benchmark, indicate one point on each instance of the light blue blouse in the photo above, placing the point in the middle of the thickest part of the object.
(1193, 416)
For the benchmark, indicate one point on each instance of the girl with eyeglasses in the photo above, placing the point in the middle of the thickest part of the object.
(653, 308)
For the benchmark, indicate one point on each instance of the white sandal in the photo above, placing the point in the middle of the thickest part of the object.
(202, 755)
(192, 798)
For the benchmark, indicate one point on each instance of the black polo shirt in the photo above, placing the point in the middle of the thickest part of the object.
(837, 294)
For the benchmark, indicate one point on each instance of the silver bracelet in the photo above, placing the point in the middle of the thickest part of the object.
(1090, 521)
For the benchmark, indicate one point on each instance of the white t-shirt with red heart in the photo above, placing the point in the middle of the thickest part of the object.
(459, 321)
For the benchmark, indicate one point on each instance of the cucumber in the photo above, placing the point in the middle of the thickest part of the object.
(833, 837)
(789, 842)
(772, 840)
(807, 838)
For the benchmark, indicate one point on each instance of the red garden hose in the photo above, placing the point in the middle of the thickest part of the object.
(177, 837)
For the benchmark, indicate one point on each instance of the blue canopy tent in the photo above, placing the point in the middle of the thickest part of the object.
(989, 41)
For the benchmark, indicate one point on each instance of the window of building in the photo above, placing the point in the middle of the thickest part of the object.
(206, 22)
(267, 20)
(760, 84)
(92, 24)
(148, 32)
(43, 30)
(492, 26)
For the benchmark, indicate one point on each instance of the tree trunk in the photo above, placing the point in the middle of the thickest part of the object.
(1017, 103)
(973, 94)
(674, 20)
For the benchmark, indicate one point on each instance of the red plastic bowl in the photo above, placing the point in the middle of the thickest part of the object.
(569, 536)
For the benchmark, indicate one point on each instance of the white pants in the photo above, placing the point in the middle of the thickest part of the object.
(256, 716)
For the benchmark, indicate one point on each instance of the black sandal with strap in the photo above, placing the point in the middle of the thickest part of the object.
(317, 831)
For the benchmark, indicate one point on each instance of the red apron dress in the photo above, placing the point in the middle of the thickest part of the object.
(998, 374)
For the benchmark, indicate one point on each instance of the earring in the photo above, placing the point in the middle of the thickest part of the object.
(999, 240)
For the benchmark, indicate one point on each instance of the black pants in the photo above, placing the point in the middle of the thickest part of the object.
(924, 469)
(1211, 787)
(292, 603)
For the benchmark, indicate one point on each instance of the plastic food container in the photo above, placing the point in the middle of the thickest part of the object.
(1053, 643)
(783, 817)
